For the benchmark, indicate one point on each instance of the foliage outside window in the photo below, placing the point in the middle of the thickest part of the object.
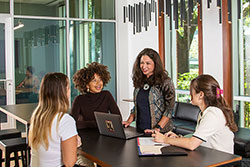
(187, 52)
(246, 57)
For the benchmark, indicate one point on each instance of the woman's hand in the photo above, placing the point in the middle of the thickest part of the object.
(159, 137)
(149, 131)
(126, 123)
(171, 134)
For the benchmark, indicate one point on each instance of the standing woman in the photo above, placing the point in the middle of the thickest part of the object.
(215, 125)
(90, 81)
(52, 134)
(154, 93)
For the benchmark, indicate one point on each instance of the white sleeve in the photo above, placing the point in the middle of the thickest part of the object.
(67, 127)
(208, 125)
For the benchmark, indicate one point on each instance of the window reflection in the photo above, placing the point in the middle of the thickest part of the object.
(40, 46)
(40, 8)
(2, 51)
(92, 42)
(5, 6)
(92, 9)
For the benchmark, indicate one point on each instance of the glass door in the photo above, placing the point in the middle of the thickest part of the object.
(6, 70)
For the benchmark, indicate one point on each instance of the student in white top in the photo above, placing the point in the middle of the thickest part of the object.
(52, 134)
(215, 124)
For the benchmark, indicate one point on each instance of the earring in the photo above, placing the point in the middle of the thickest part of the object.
(87, 89)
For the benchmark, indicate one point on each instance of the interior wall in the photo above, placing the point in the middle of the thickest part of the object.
(128, 47)
(212, 42)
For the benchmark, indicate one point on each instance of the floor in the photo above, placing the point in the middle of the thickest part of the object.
(245, 162)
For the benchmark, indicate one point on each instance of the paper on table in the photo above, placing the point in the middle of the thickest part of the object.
(147, 145)
(150, 149)
(149, 141)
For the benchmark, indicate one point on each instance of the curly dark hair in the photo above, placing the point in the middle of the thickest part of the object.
(83, 76)
(208, 85)
(159, 74)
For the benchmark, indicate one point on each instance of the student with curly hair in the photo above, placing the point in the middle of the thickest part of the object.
(90, 81)
(215, 125)
(154, 94)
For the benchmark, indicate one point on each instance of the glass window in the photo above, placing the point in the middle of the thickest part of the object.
(40, 8)
(186, 98)
(2, 65)
(40, 47)
(2, 51)
(5, 6)
(92, 9)
(187, 51)
(244, 61)
(93, 42)
(246, 49)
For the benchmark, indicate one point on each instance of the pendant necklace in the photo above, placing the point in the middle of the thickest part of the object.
(146, 86)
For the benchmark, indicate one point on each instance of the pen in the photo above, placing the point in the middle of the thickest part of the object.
(158, 144)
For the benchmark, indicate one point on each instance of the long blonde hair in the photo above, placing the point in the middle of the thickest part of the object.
(53, 100)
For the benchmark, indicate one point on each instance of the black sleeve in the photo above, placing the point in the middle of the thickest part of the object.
(112, 104)
(75, 111)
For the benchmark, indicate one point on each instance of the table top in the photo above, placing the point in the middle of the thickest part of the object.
(109, 151)
(19, 91)
(20, 112)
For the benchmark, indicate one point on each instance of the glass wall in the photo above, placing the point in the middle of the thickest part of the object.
(92, 9)
(187, 51)
(5, 6)
(93, 42)
(184, 51)
(43, 43)
(2, 65)
(246, 60)
(243, 56)
(40, 47)
(40, 8)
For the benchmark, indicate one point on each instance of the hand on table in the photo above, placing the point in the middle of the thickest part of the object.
(126, 123)
(159, 137)
(171, 134)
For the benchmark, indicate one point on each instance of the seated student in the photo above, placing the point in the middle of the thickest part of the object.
(52, 134)
(90, 81)
(215, 125)
(30, 80)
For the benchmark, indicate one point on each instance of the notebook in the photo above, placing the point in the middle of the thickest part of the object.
(111, 125)
(147, 147)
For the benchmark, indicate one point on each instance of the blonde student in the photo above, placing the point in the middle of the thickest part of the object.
(52, 134)
(215, 125)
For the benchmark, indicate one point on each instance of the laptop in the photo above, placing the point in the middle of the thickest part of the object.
(111, 125)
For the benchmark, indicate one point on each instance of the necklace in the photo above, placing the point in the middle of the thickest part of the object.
(146, 86)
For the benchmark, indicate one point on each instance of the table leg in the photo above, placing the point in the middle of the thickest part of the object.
(27, 133)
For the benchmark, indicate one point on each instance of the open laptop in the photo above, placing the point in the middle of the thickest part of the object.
(111, 125)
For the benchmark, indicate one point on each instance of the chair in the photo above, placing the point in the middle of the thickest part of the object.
(9, 133)
(15, 145)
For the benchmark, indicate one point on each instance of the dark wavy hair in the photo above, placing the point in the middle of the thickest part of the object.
(83, 76)
(30, 69)
(159, 74)
(208, 85)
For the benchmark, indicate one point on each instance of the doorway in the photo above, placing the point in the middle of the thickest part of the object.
(6, 69)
